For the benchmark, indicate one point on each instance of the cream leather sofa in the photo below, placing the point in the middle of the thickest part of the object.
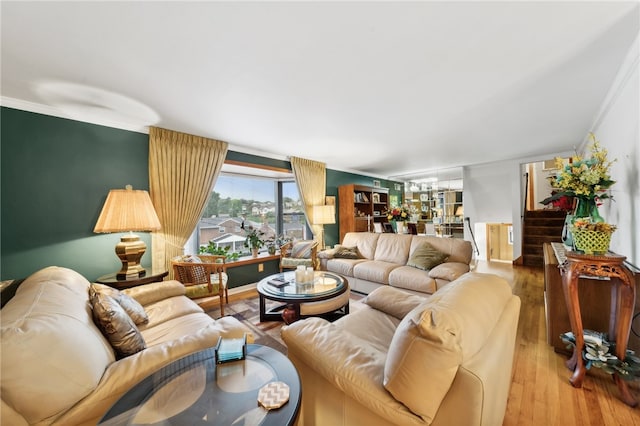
(58, 368)
(405, 359)
(384, 260)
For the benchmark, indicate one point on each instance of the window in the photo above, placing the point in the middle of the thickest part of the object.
(264, 199)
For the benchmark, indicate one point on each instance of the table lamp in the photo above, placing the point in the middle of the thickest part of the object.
(322, 215)
(128, 210)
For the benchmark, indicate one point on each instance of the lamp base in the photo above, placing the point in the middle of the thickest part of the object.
(130, 250)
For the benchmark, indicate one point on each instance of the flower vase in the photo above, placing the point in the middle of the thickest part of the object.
(400, 227)
(587, 207)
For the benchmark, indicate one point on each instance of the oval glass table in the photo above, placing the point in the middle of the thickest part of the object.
(326, 295)
(194, 390)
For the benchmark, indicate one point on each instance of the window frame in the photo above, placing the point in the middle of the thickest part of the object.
(253, 171)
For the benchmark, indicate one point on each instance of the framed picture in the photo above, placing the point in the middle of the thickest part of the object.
(377, 227)
(388, 227)
(393, 200)
(330, 201)
(376, 183)
(424, 197)
(376, 197)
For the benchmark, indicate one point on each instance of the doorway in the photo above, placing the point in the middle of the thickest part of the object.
(500, 242)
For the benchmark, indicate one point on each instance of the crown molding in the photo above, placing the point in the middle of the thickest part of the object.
(56, 112)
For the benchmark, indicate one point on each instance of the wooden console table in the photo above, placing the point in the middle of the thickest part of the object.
(611, 270)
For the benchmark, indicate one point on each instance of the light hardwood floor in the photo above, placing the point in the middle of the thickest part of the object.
(540, 390)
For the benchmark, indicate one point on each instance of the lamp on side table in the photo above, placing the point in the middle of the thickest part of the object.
(128, 210)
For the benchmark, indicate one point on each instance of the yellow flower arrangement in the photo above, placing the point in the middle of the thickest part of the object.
(585, 178)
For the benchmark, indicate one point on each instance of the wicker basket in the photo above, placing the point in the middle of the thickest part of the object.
(591, 242)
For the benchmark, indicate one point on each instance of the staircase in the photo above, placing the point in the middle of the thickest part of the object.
(540, 226)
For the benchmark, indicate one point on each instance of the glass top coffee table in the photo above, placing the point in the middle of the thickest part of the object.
(327, 293)
(194, 390)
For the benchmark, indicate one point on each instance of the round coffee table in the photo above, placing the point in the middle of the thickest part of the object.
(195, 390)
(328, 293)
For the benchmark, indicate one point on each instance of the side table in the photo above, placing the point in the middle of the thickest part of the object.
(611, 270)
(113, 281)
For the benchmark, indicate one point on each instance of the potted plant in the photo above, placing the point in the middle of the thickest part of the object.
(254, 239)
(211, 248)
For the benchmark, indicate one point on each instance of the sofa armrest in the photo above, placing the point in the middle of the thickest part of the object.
(153, 292)
(449, 271)
(392, 301)
(345, 361)
(327, 253)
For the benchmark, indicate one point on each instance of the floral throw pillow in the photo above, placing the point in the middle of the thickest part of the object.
(343, 252)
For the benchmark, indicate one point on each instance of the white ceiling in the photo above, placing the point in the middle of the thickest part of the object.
(388, 89)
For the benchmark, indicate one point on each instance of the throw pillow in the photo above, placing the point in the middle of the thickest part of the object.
(426, 343)
(128, 303)
(343, 252)
(425, 257)
(116, 325)
(302, 250)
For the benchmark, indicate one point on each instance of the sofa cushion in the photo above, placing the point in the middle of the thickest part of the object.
(393, 248)
(449, 271)
(393, 301)
(131, 306)
(425, 257)
(116, 325)
(365, 241)
(437, 336)
(167, 309)
(343, 266)
(153, 292)
(374, 270)
(49, 314)
(413, 279)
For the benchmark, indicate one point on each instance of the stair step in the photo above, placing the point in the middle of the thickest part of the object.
(544, 213)
(545, 222)
(542, 230)
(541, 239)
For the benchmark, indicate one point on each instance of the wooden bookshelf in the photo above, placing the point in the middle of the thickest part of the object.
(360, 207)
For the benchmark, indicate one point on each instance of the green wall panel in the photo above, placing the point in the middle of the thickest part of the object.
(55, 176)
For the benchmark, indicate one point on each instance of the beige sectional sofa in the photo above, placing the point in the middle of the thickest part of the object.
(57, 366)
(383, 261)
(405, 359)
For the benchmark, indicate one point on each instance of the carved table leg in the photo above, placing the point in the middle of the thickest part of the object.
(576, 363)
(626, 297)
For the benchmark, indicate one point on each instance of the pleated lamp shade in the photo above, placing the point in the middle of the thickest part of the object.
(128, 210)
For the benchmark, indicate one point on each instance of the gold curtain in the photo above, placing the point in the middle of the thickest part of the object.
(182, 170)
(311, 179)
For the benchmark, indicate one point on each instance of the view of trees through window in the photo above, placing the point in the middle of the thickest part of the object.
(270, 205)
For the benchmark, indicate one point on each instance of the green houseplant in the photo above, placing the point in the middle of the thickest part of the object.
(253, 239)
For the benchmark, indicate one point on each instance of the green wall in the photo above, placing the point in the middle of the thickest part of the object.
(55, 176)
